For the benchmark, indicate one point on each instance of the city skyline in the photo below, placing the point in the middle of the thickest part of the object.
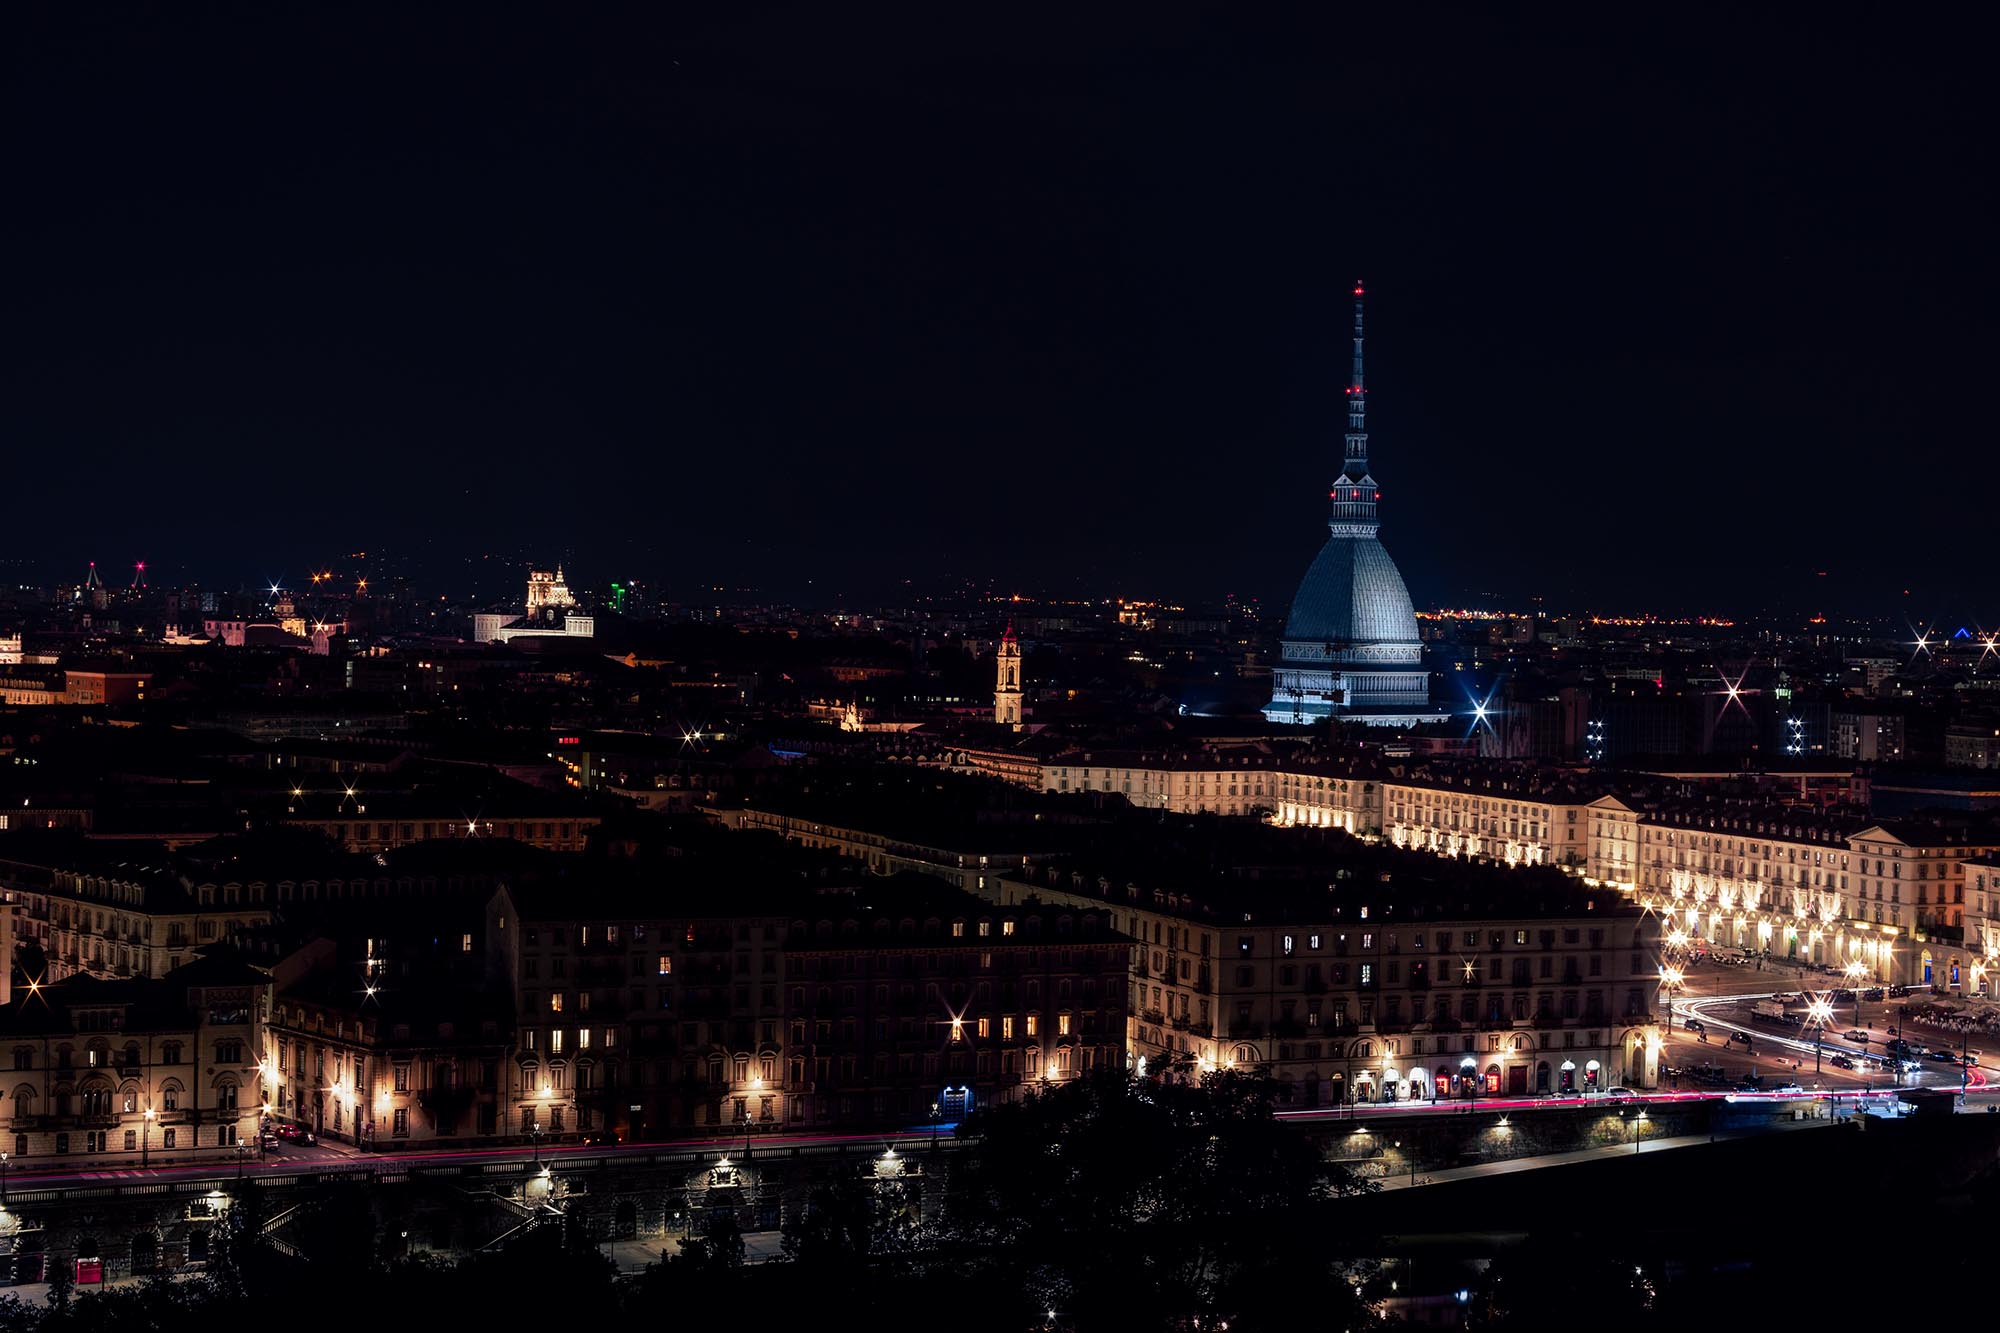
(1066, 310)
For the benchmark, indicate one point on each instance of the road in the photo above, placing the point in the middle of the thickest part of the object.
(1721, 999)
(321, 1159)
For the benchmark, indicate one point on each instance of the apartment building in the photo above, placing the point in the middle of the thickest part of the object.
(137, 1070)
(1405, 978)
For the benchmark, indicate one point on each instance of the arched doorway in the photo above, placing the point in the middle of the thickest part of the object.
(625, 1220)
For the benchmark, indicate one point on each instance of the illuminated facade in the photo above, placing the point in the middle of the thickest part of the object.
(124, 920)
(847, 1011)
(385, 1075)
(1833, 889)
(1507, 816)
(1401, 1006)
(548, 591)
(1007, 681)
(135, 1071)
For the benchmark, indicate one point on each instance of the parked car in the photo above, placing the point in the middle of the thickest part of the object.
(1872, 993)
(284, 1131)
(1620, 1094)
(1844, 996)
(1946, 1057)
(1899, 992)
(1789, 1090)
(1743, 1037)
(1696, 1025)
(1858, 1035)
(1841, 1062)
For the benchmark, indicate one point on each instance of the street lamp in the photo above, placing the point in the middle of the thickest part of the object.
(1857, 972)
(934, 1123)
(3, 1180)
(1819, 1013)
(1638, 1130)
(145, 1138)
(535, 1135)
(1671, 978)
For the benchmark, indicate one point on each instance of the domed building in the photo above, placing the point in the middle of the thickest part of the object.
(1350, 647)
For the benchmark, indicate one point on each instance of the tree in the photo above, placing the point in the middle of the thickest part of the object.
(62, 1280)
(1544, 1283)
(1124, 1202)
(718, 1249)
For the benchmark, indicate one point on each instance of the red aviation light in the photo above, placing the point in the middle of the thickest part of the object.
(1357, 289)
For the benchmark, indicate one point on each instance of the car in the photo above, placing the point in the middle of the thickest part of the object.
(1872, 993)
(1620, 1094)
(1788, 1090)
(1696, 1025)
(1860, 1036)
(1743, 1037)
(1843, 996)
(1841, 1062)
(1945, 1056)
(284, 1131)
(1899, 992)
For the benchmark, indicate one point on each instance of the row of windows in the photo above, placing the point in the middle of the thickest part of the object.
(99, 1140)
(1246, 945)
(229, 1052)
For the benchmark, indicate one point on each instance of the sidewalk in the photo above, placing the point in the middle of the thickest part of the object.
(1510, 1165)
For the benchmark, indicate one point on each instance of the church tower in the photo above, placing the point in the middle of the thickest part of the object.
(1007, 681)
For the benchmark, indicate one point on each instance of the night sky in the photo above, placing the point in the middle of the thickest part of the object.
(1661, 317)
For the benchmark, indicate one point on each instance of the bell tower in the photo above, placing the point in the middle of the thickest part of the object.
(1007, 681)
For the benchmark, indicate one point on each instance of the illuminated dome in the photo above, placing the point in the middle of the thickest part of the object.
(1350, 648)
(1353, 595)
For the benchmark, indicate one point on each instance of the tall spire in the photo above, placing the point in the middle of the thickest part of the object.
(1354, 492)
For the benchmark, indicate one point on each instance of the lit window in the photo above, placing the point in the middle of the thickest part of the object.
(555, 1041)
(1062, 1025)
(1006, 1027)
(555, 1002)
(958, 930)
(666, 965)
(983, 1028)
(583, 1039)
(465, 944)
(1006, 927)
(1034, 1027)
